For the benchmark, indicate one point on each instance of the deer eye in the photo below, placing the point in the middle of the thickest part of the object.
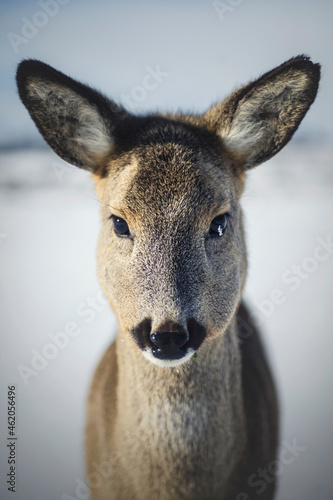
(218, 225)
(120, 226)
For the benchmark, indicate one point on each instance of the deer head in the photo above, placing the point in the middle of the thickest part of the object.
(171, 255)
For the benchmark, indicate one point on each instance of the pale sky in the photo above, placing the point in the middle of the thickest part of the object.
(205, 48)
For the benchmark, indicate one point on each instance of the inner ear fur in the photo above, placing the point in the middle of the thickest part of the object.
(257, 120)
(77, 121)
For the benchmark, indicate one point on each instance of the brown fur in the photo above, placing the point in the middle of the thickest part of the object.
(199, 429)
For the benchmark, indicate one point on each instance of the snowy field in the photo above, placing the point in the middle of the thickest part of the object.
(49, 225)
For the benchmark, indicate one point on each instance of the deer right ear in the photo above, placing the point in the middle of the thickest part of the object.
(75, 120)
(258, 120)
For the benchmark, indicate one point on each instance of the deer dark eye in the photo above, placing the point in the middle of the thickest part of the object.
(218, 225)
(120, 226)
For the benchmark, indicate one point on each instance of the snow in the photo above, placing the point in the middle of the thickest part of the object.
(49, 226)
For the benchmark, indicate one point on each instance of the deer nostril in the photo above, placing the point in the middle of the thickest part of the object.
(169, 339)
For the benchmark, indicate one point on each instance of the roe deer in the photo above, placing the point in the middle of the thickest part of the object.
(179, 408)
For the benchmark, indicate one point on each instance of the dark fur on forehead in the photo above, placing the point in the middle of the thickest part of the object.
(174, 157)
(140, 131)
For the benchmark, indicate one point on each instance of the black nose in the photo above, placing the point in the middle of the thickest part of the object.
(167, 345)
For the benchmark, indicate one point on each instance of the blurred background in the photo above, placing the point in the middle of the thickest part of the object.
(200, 50)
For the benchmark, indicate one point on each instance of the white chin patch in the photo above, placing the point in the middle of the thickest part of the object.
(168, 363)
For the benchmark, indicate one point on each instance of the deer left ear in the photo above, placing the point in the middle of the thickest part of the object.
(256, 121)
(78, 122)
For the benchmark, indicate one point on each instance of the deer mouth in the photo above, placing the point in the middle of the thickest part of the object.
(169, 348)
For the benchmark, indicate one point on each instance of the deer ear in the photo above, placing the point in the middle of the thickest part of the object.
(75, 120)
(257, 120)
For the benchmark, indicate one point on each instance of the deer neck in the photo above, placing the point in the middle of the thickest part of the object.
(205, 392)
